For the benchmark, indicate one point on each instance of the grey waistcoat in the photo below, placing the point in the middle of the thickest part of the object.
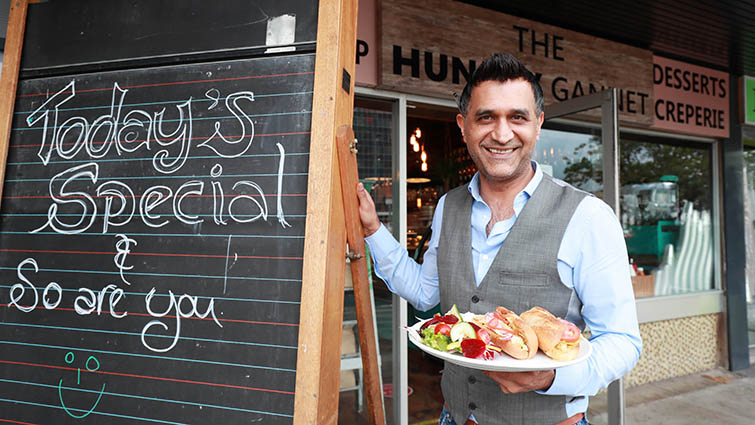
(523, 274)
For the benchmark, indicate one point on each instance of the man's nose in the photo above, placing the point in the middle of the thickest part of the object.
(502, 132)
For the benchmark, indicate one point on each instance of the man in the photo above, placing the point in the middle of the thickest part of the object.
(516, 237)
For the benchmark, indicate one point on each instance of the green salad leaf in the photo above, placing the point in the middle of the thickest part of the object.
(437, 341)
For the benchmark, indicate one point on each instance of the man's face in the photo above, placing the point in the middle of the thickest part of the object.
(500, 129)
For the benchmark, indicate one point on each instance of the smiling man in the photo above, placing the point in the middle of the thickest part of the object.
(517, 238)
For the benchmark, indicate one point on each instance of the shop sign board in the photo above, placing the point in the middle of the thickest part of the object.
(749, 99)
(367, 44)
(429, 47)
(690, 99)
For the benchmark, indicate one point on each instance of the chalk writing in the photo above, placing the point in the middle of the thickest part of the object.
(132, 199)
(123, 247)
(137, 130)
(77, 189)
(179, 313)
(70, 357)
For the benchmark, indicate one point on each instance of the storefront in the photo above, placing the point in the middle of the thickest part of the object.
(666, 171)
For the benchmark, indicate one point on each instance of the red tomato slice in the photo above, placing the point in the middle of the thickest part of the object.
(571, 332)
(443, 329)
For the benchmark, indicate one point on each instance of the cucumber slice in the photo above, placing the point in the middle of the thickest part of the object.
(454, 346)
(462, 330)
(455, 311)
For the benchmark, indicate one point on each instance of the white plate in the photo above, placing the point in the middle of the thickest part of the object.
(503, 362)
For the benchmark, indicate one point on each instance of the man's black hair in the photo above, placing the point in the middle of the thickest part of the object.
(501, 67)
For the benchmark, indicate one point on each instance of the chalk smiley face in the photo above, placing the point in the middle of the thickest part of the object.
(92, 364)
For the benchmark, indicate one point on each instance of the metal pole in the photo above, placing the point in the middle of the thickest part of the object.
(610, 140)
(399, 306)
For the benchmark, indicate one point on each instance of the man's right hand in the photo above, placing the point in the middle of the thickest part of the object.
(367, 212)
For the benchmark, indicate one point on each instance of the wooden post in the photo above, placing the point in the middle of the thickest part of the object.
(14, 41)
(321, 313)
(347, 161)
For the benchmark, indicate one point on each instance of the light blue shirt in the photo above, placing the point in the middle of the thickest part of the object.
(592, 259)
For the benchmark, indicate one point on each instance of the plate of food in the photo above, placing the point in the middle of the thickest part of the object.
(502, 341)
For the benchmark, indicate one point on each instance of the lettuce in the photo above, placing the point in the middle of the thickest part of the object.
(436, 341)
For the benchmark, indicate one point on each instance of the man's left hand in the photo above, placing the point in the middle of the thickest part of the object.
(521, 382)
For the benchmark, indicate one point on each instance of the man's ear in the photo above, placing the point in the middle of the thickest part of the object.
(460, 123)
(540, 121)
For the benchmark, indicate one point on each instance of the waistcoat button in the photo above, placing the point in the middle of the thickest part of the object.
(472, 379)
(472, 406)
(475, 299)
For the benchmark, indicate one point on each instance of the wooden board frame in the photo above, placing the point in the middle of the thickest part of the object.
(321, 319)
(347, 161)
(14, 42)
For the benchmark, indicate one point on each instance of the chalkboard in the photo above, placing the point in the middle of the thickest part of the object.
(96, 35)
(151, 244)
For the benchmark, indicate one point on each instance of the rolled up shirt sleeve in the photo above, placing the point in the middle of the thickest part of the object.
(417, 283)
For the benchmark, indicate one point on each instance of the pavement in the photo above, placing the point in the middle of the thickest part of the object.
(715, 396)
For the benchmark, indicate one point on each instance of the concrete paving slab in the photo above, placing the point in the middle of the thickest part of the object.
(712, 397)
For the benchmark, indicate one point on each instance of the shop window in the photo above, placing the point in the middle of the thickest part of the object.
(749, 160)
(372, 128)
(665, 200)
(372, 124)
(573, 157)
(666, 213)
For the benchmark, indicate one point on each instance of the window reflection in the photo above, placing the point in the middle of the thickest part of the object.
(749, 159)
(572, 157)
(665, 203)
(666, 214)
(373, 122)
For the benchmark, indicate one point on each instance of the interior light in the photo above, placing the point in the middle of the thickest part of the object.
(424, 166)
(419, 202)
(415, 147)
(417, 180)
(418, 132)
(423, 156)
(413, 140)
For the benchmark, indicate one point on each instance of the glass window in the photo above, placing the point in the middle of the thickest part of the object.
(373, 122)
(372, 128)
(749, 159)
(666, 212)
(572, 157)
(666, 199)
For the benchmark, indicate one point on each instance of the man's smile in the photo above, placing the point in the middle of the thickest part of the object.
(499, 151)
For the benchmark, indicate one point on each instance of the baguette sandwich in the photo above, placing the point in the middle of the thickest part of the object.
(509, 332)
(558, 338)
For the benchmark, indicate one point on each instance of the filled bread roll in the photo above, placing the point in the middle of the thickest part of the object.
(509, 332)
(558, 338)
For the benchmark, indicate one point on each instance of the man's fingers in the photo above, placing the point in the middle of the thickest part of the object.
(516, 382)
(367, 211)
(365, 200)
(363, 195)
